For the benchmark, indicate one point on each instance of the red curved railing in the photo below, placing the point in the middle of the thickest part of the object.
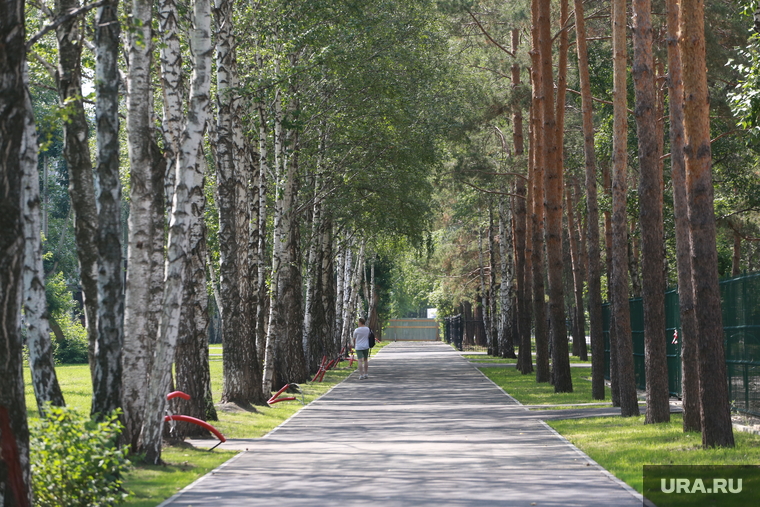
(192, 420)
(274, 399)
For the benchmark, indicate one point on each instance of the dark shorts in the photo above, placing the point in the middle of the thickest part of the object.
(362, 354)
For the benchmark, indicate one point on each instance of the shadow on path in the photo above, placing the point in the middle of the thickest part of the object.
(426, 429)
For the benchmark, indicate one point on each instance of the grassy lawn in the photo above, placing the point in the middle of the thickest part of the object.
(624, 445)
(525, 389)
(150, 485)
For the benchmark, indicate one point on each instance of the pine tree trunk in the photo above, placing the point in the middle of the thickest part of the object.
(627, 382)
(76, 151)
(713, 390)
(553, 204)
(189, 180)
(650, 216)
(107, 374)
(539, 159)
(41, 361)
(688, 335)
(583, 256)
(15, 118)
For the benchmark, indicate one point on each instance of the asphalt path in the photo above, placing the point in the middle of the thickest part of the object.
(425, 429)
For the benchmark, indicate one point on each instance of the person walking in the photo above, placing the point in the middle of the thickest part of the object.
(361, 346)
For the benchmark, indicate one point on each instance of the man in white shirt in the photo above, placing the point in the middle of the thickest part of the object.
(361, 346)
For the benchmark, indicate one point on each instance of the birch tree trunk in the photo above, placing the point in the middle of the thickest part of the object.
(614, 384)
(484, 303)
(189, 180)
(525, 356)
(261, 266)
(592, 210)
(507, 288)
(171, 81)
(140, 324)
(41, 362)
(191, 355)
(107, 375)
(713, 390)
(242, 381)
(492, 298)
(629, 405)
(650, 215)
(539, 154)
(689, 329)
(15, 118)
(76, 151)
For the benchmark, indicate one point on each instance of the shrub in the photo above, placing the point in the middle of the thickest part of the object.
(76, 462)
(73, 347)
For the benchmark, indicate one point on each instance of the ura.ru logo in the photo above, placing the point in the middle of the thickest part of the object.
(698, 486)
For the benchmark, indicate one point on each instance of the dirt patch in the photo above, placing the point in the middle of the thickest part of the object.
(234, 408)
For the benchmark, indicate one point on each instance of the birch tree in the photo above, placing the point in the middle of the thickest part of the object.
(242, 381)
(41, 362)
(140, 324)
(189, 180)
(107, 378)
(506, 289)
(77, 155)
(15, 118)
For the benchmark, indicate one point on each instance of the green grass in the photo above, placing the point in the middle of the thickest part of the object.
(525, 389)
(624, 445)
(149, 485)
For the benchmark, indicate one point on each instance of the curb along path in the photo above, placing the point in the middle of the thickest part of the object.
(426, 429)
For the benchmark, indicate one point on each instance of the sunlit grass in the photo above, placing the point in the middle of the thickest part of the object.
(527, 391)
(623, 445)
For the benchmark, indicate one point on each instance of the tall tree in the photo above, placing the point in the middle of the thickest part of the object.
(77, 154)
(15, 118)
(140, 324)
(539, 161)
(241, 383)
(553, 203)
(629, 405)
(506, 288)
(650, 215)
(189, 183)
(41, 361)
(107, 378)
(575, 259)
(713, 390)
(688, 336)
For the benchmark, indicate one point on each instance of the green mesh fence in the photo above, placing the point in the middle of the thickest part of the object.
(411, 330)
(740, 302)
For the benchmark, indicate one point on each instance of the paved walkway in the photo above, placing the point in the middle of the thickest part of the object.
(426, 429)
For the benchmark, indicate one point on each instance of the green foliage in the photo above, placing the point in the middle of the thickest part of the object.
(72, 349)
(76, 461)
(72, 346)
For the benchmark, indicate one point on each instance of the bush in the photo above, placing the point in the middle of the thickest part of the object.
(76, 462)
(73, 347)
